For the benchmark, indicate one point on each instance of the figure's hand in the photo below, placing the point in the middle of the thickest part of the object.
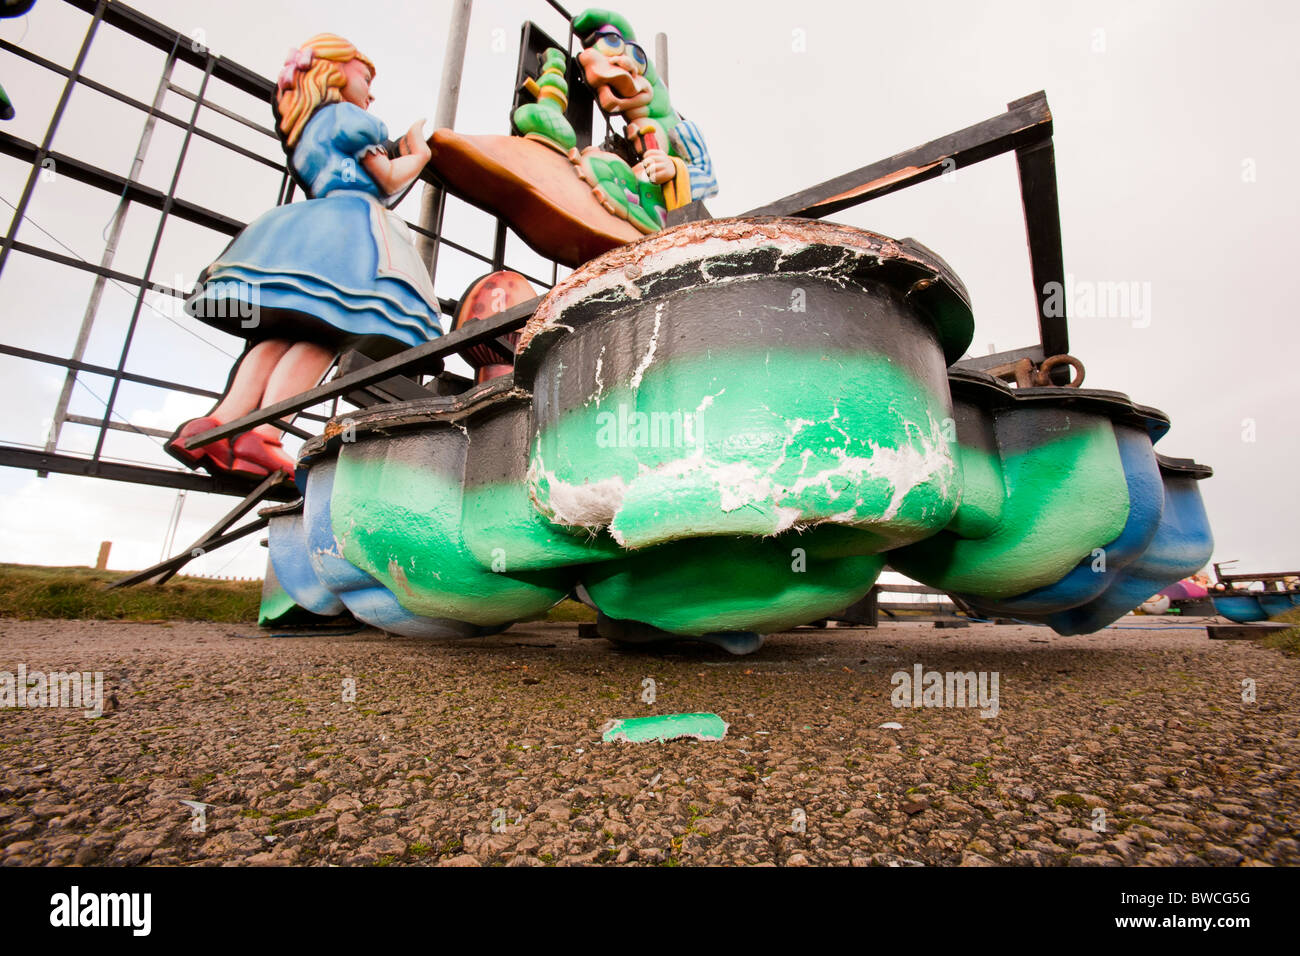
(415, 142)
(656, 166)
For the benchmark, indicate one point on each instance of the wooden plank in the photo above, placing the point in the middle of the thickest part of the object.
(908, 589)
(1243, 632)
(1027, 122)
(938, 607)
(863, 613)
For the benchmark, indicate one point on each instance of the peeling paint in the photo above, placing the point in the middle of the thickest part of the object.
(600, 382)
(650, 352)
(741, 484)
(398, 574)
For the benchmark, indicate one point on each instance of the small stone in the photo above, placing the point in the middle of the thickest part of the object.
(1073, 836)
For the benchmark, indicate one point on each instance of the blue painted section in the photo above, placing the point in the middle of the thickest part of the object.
(1275, 603)
(1242, 608)
(1146, 503)
(325, 259)
(368, 600)
(1181, 546)
(287, 543)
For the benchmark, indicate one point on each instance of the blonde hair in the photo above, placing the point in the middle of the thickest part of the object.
(319, 84)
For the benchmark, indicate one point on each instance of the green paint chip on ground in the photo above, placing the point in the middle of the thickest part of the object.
(640, 730)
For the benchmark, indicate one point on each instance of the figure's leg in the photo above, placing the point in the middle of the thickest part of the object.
(249, 382)
(243, 394)
(300, 368)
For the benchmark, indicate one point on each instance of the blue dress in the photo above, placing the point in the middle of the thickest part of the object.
(339, 269)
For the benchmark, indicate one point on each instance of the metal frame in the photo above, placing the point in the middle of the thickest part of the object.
(215, 70)
(1025, 128)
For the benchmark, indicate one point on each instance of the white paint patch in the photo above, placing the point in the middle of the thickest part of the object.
(707, 401)
(924, 460)
(650, 352)
(600, 382)
(588, 505)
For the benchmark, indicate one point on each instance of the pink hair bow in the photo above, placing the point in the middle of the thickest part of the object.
(298, 59)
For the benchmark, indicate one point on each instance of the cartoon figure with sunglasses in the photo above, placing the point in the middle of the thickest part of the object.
(673, 166)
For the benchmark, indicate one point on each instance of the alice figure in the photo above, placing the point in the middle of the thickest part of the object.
(309, 279)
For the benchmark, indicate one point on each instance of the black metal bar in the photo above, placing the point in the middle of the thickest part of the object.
(1037, 165)
(48, 359)
(142, 106)
(978, 363)
(691, 212)
(204, 541)
(399, 388)
(440, 206)
(563, 12)
(44, 150)
(119, 185)
(1030, 121)
(138, 379)
(84, 266)
(472, 333)
(229, 114)
(12, 456)
(173, 565)
(153, 254)
(286, 184)
(499, 247)
(443, 240)
(116, 426)
(136, 24)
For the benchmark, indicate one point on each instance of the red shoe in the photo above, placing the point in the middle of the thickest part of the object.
(257, 455)
(218, 454)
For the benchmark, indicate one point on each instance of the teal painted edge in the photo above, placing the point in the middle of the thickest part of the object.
(639, 730)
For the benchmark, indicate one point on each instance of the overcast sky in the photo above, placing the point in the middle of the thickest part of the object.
(1175, 153)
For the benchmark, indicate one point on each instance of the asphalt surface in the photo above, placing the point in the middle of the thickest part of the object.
(1135, 746)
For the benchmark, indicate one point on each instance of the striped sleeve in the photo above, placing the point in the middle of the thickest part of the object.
(689, 144)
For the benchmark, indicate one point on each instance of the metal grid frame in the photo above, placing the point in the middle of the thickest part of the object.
(215, 70)
(1025, 129)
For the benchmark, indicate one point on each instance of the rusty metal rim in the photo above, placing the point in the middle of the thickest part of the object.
(1185, 467)
(988, 390)
(400, 416)
(933, 287)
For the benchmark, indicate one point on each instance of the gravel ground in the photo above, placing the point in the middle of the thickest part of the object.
(489, 751)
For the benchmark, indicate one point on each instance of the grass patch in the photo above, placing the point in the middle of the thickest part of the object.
(29, 592)
(571, 611)
(297, 814)
(1287, 641)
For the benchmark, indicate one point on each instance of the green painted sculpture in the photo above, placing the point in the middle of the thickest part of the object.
(674, 167)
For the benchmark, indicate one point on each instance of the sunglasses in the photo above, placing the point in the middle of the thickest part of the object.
(610, 43)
